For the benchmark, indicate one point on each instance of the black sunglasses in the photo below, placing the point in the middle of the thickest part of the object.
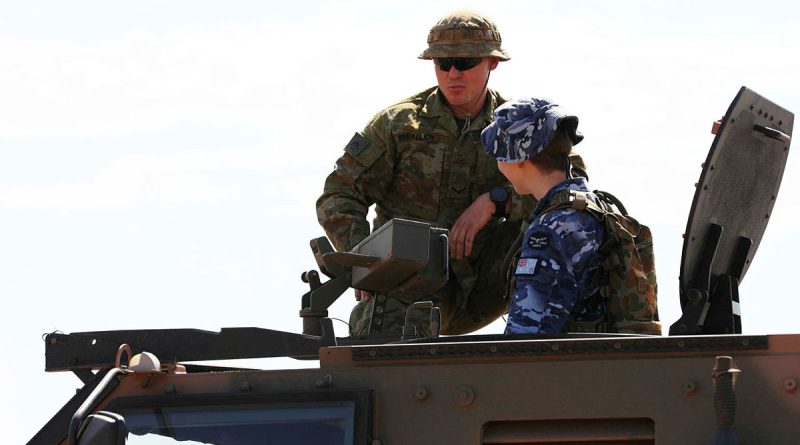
(461, 63)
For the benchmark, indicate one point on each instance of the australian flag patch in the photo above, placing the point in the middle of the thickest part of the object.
(526, 266)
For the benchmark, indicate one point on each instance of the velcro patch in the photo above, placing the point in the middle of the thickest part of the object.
(538, 240)
(357, 144)
(526, 266)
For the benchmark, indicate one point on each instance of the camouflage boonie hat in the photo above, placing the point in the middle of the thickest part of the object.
(464, 34)
(522, 129)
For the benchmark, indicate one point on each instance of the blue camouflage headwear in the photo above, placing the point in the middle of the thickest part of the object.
(523, 127)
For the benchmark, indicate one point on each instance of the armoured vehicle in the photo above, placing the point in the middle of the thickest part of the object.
(705, 382)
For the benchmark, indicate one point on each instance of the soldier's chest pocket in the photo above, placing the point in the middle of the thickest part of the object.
(418, 178)
(487, 175)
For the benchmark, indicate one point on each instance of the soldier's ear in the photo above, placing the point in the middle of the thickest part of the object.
(493, 61)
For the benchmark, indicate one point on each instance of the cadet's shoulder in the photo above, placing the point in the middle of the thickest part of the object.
(567, 221)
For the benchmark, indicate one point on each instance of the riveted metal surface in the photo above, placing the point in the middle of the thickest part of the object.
(743, 170)
(620, 345)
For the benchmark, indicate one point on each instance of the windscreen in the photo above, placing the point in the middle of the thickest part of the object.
(327, 423)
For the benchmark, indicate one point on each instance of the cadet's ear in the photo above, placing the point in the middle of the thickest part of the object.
(493, 61)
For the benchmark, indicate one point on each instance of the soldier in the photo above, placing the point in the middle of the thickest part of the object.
(422, 159)
(559, 253)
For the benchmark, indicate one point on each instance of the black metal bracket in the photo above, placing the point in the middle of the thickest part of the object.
(86, 375)
(97, 350)
(108, 382)
(55, 430)
(723, 315)
(410, 331)
(315, 303)
(773, 133)
(81, 352)
(695, 299)
(711, 304)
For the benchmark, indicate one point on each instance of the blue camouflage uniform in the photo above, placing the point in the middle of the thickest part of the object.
(559, 253)
(555, 268)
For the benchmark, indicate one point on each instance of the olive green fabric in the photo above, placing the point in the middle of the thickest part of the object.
(413, 161)
(464, 34)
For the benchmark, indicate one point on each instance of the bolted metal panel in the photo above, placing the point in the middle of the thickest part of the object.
(443, 351)
(738, 185)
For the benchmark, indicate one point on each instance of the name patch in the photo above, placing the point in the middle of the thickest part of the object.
(426, 137)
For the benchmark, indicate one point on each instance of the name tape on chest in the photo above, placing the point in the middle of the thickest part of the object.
(424, 137)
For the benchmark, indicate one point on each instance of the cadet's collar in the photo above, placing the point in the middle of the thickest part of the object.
(568, 184)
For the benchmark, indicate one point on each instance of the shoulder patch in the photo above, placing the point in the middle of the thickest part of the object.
(357, 144)
(526, 266)
(538, 240)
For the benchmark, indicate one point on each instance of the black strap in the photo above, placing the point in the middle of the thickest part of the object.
(608, 197)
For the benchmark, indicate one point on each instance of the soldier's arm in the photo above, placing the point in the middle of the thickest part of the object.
(468, 224)
(359, 180)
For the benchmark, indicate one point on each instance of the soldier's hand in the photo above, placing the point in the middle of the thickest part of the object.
(467, 226)
(363, 295)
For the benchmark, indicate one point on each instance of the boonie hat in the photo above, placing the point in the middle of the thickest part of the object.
(464, 34)
(522, 129)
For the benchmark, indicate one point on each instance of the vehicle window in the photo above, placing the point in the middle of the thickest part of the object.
(285, 423)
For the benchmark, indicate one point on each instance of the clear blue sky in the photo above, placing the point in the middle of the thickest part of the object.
(159, 162)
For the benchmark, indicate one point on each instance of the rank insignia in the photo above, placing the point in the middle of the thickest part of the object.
(356, 144)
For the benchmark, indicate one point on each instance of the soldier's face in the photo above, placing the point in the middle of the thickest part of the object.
(464, 89)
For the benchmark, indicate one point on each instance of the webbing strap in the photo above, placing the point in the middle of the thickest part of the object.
(578, 200)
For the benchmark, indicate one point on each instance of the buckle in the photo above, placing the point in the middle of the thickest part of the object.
(578, 200)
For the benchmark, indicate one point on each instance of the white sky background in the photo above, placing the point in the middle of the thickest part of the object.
(159, 163)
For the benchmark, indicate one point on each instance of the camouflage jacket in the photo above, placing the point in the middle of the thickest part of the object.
(555, 270)
(412, 161)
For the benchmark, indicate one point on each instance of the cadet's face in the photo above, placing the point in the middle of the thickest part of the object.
(515, 174)
(464, 89)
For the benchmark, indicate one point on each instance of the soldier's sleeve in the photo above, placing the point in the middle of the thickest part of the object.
(554, 254)
(358, 180)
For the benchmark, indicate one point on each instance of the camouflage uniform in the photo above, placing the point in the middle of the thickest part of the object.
(414, 161)
(555, 270)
